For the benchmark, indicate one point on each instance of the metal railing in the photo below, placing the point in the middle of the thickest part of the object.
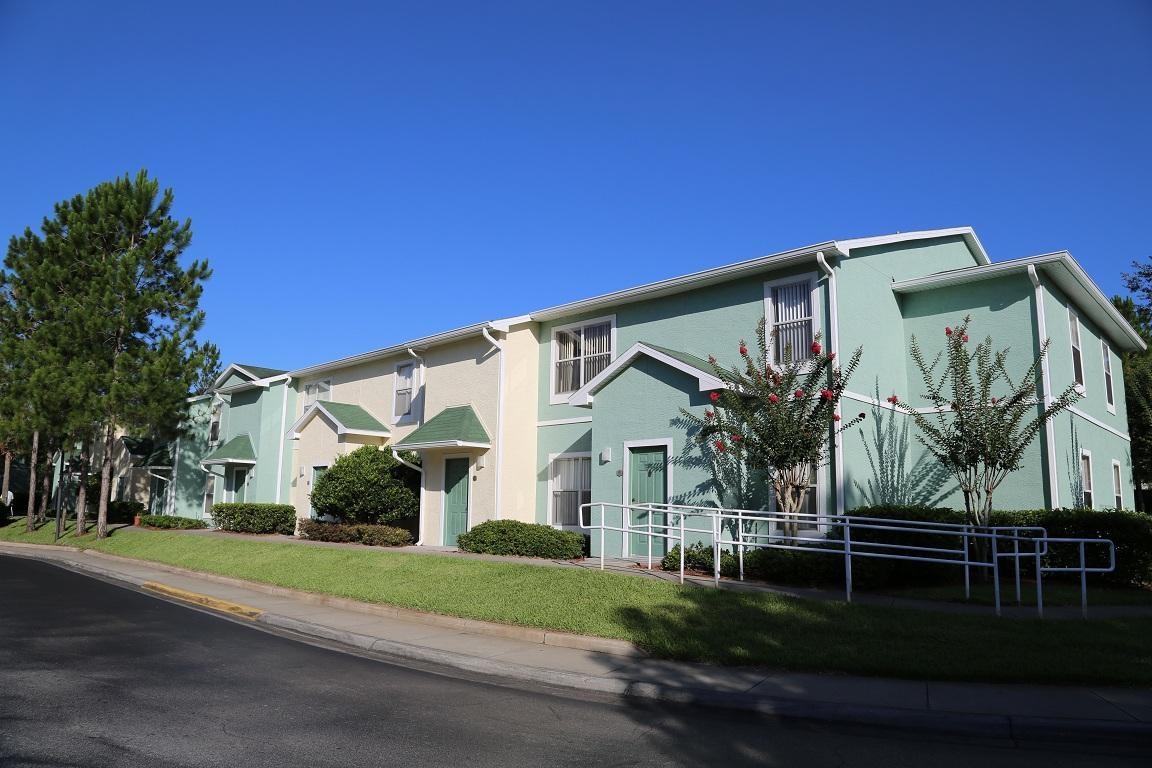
(741, 529)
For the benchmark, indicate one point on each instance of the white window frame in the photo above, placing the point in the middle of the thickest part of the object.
(1118, 484)
(308, 485)
(770, 314)
(552, 459)
(209, 493)
(1077, 349)
(327, 393)
(821, 499)
(555, 398)
(411, 416)
(1087, 485)
(1109, 379)
(215, 425)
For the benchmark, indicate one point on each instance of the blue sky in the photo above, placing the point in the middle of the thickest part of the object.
(359, 174)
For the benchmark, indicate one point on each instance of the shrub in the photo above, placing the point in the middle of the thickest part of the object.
(169, 521)
(366, 486)
(371, 535)
(123, 511)
(244, 517)
(699, 557)
(511, 537)
(879, 573)
(4, 513)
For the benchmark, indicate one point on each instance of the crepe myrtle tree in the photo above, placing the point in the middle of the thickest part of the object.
(981, 417)
(775, 420)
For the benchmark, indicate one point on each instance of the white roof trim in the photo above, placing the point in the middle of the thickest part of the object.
(215, 462)
(233, 368)
(318, 408)
(440, 444)
(397, 349)
(583, 396)
(1085, 292)
(969, 235)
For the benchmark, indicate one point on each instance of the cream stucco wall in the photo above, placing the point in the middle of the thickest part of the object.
(521, 381)
(318, 446)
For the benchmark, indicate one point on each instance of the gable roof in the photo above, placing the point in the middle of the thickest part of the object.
(772, 261)
(238, 450)
(252, 373)
(455, 427)
(1064, 272)
(682, 361)
(347, 418)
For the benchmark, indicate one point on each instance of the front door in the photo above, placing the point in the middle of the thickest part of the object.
(239, 484)
(317, 473)
(456, 472)
(647, 483)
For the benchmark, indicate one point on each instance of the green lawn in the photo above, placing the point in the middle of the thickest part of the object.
(672, 621)
(1056, 593)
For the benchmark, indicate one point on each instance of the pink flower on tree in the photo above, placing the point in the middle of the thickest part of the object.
(947, 330)
(709, 414)
(773, 399)
(720, 446)
(964, 338)
(816, 347)
(715, 396)
(743, 349)
(835, 417)
(799, 394)
(893, 399)
(736, 438)
(827, 394)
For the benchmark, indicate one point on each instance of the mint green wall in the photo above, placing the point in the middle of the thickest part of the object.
(260, 413)
(192, 445)
(1074, 434)
(556, 439)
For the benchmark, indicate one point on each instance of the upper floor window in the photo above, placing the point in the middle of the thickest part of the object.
(214, 427)
(1077, 355)
(580, 352)
(405, 386)
(790, 311)
(317, 390)
(1108, 391)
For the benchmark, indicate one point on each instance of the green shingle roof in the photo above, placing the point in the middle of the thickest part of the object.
(453, 426)
(685, 358)
(352, 418)
(238, 450)
(146, 452)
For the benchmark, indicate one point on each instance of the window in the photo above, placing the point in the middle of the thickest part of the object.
(571, 487)
(791, 318)
(1086, 478)
(1108, 392)
(317, 390)
(1077, 357)
(209, 494)
(405, 384)
(580, 352)
(214, 429)
(1117, 486)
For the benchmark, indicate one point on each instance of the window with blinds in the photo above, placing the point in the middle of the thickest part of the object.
(1117, 486)
(317, 390)
(581, 352)
(791, 320)
(1077, 356)
(405, 382)
(571, 487)
(1109, 394)
(1086, 478)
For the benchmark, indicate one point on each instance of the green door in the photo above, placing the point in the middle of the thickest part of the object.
(456, 473)
(239, 484)
(647, 483)
(317, 473)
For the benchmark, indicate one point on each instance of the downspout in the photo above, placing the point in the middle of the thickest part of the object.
(499, 415)
(834, 347)
(280, 458)
(1045, 388)
(410, 465)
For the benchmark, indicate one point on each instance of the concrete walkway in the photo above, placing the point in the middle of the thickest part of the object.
(1014, 712)
(635, 567)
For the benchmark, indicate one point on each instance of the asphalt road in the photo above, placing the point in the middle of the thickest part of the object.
(93, 674)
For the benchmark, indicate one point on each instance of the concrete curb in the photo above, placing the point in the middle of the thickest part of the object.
(238, 610)
(982, 726)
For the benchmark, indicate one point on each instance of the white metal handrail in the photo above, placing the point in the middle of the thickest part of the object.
(1004, 542)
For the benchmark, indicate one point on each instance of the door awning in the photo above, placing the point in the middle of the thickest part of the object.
(455, 427)
(238, 450)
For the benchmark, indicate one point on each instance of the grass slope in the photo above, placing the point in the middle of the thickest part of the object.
(670, 621)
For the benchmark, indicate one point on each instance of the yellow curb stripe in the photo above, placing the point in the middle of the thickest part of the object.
(224, 606)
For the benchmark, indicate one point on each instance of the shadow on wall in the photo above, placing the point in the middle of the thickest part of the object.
(893, 481)
(728, 483)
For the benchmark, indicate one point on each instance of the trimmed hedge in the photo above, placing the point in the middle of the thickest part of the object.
(778, 566)
(243, 517)
(512, 537)
(170, 521)
(370, 535)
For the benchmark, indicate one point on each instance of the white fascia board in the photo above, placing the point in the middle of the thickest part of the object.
(362, 432)
(1087, 294)
(687, 282)
(221, 462)
(318, 407)
(440, 444)
(969, 235)
(232, 368)
(402, 348)
(583, 396)
(503, 326)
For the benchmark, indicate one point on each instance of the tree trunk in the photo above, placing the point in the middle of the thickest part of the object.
(30, 520)
(45, 495)
(105, 485)
(5, 483)
(82, 495)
